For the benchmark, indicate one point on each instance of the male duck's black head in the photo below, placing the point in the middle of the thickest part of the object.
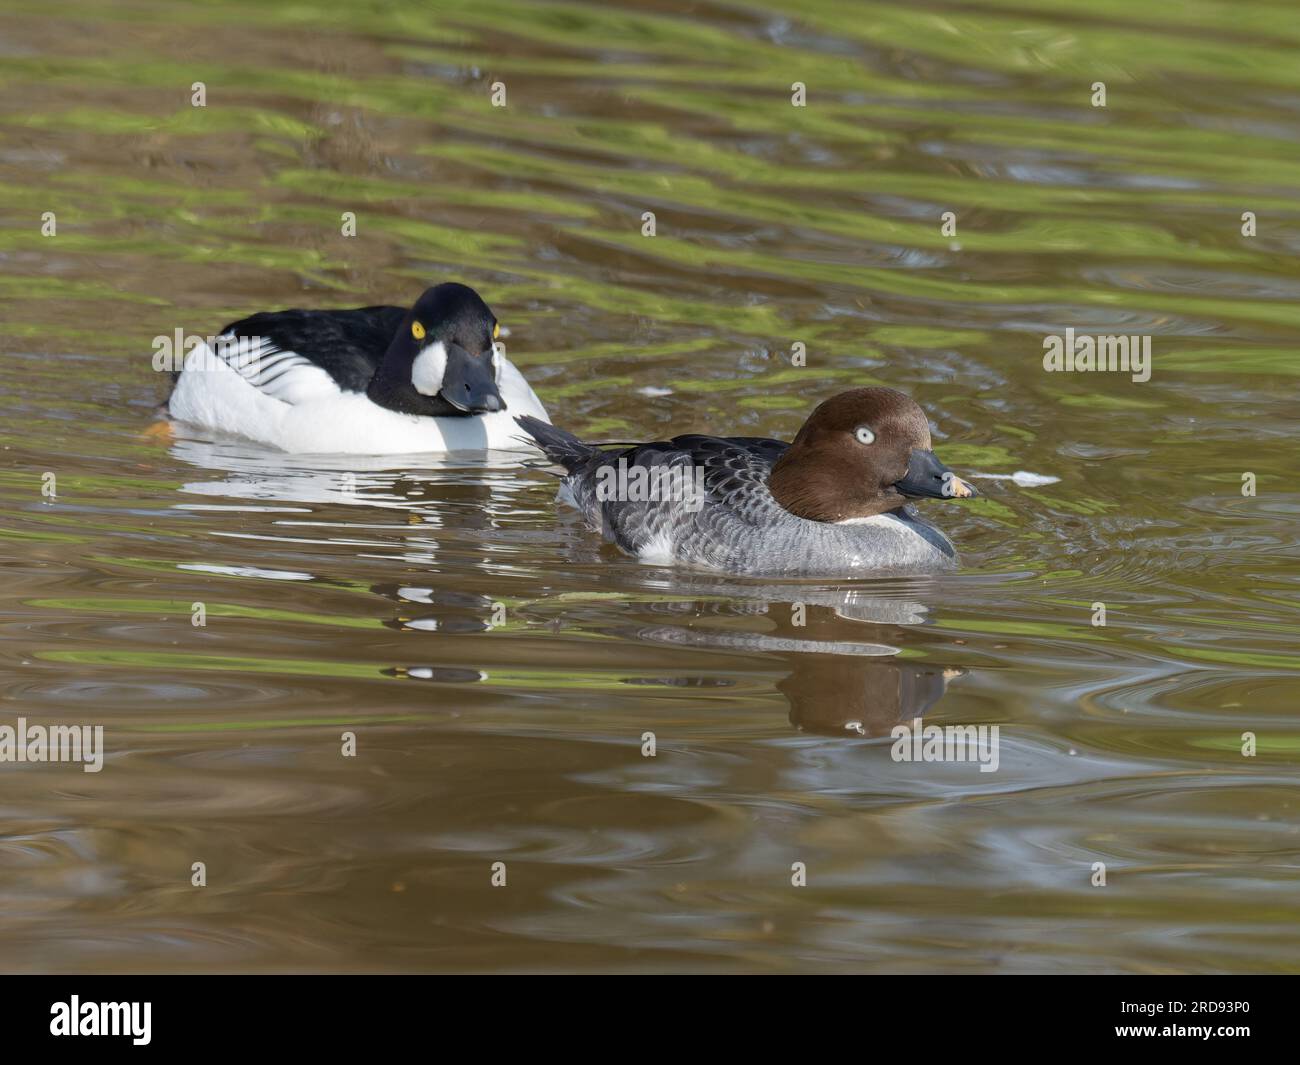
(443, 359)
(862, 453)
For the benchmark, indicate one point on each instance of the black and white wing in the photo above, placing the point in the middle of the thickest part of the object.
(300, 356)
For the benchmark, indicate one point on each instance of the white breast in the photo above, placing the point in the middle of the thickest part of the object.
(887, 521)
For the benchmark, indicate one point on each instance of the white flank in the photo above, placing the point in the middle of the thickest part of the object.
(658, 549)
(319, 420)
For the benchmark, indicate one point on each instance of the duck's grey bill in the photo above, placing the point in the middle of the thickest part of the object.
(469, 383)
(928, 478)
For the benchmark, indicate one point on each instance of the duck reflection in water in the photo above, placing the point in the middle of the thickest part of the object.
(836, 686)
(837, 696)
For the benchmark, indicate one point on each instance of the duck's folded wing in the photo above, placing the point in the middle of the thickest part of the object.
(705, 484)
(735, 470)
(739, 508)
(283, 375)
(301, 356)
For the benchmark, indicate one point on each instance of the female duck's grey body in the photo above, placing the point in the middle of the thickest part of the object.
(833, 503)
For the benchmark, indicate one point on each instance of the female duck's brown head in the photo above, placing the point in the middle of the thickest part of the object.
(862, 453)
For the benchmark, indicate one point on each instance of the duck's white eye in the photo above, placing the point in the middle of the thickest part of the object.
(864, 435)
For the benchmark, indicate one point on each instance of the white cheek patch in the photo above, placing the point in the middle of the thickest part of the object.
(428, 369)
(498, 353)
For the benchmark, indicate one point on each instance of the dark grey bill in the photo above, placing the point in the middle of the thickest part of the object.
(928, 478)
(469, 384)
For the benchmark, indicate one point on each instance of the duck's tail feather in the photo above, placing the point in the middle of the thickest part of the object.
(561, 447)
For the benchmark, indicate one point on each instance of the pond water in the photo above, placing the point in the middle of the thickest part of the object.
(498, 666)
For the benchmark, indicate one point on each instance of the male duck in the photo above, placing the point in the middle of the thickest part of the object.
(378, 380)
(831, 503)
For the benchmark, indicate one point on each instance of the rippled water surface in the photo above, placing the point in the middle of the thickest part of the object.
(498, 666)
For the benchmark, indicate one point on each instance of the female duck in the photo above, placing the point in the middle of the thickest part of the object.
(378, 380)
(832, 503)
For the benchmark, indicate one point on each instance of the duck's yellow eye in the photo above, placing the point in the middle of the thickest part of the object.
(417, 330)
(496, 330)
